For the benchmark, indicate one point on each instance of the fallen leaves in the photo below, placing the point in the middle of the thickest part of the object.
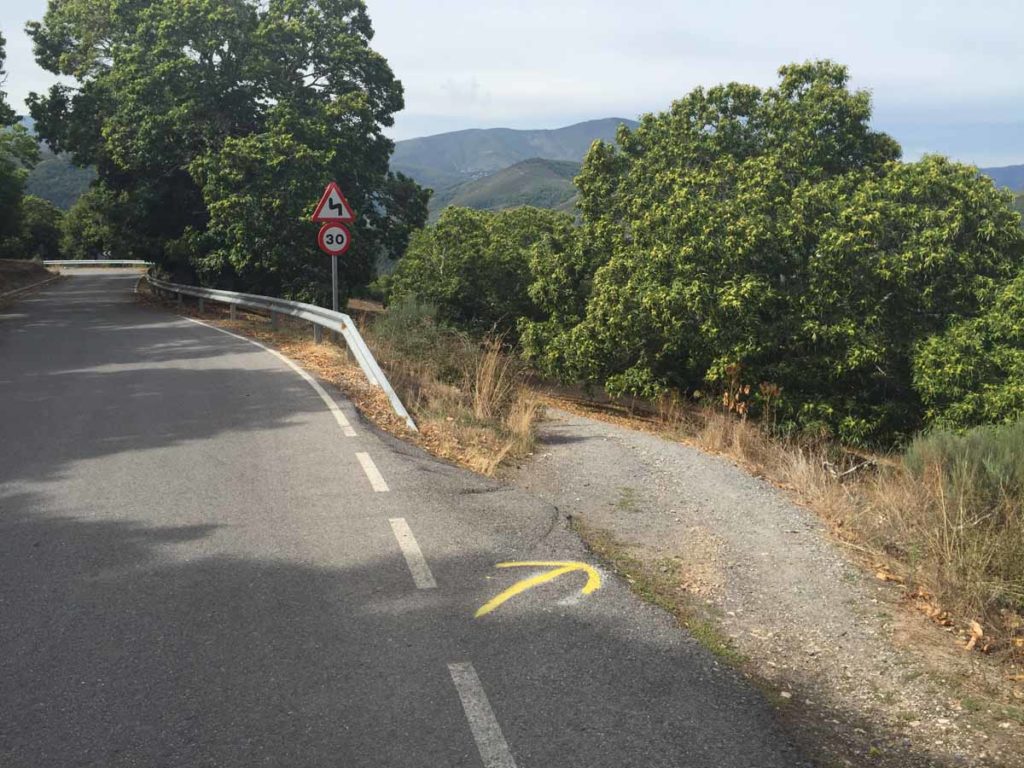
(977, 633)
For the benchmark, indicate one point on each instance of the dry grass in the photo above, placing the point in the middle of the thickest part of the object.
(468, 397)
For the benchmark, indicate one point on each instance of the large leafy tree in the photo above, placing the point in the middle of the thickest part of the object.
(18, 153)
(216, 123)
(750, 237)
(474, 266)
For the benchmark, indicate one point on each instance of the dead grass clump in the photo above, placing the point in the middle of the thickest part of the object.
(468, 396)
(946, 518)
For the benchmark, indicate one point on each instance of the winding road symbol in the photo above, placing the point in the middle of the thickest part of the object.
(558, 569)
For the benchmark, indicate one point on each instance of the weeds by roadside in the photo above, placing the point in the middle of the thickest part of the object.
(469, 397)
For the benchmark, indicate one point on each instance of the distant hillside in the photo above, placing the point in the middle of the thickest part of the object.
(1011, 176)
(447, 159)
(57, 180)
(539, 182)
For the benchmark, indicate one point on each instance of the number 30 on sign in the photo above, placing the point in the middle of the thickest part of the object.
(333, 239)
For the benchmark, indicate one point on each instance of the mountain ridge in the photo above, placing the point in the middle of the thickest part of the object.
(444, 160)
(535, 181)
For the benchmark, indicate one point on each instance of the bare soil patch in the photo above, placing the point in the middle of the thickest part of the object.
(15, 273)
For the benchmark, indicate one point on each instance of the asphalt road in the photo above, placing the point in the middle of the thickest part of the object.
(199, 568)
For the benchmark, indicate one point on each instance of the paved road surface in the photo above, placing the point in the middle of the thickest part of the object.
(197, 570)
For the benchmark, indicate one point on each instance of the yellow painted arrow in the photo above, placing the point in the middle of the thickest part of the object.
(559, 568)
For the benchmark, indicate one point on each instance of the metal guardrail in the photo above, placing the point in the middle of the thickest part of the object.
(97, 263)
(318, 316)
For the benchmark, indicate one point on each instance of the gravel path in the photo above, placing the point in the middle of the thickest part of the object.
(854, 671)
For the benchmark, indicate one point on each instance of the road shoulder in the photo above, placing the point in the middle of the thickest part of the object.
(760, 581)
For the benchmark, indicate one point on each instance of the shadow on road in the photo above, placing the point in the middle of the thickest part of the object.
(120, 646)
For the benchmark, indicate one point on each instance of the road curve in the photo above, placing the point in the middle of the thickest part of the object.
(198, 567)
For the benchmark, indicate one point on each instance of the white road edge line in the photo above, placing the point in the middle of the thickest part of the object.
(493, 748)
(372, 473)
(339, 415)
(421, 574)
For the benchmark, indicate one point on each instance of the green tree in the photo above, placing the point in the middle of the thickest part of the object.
(217, 123)
(18, 153)
(753, 236)
(90, 229)
(39, 234)
(474, 266)
(973, 373)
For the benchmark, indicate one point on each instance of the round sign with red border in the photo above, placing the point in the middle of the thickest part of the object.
(333, 239)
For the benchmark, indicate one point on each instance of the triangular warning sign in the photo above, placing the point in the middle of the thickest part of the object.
(333, 206)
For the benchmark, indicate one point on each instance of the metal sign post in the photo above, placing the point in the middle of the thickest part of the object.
(334, 281)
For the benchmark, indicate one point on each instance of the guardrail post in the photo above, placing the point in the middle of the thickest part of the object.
(273, 320)
(179, 301)
(200, 305)
(234, 311)
(318, 334)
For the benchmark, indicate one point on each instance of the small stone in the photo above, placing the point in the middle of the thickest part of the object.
(788, 695)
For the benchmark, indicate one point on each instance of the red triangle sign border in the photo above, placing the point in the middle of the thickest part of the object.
(346, 215)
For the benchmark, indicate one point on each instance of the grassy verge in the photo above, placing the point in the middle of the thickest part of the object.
(468, 397)
(945, 519)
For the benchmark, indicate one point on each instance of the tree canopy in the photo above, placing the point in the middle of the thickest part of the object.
(214, 125)
(474, 266)
(754, 240)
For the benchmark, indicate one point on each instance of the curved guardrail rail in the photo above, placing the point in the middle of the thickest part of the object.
(97, 263)
(318, 316)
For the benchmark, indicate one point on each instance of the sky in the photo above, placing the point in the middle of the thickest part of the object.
(946, 76)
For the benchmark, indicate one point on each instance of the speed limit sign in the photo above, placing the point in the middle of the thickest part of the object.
(333, 239)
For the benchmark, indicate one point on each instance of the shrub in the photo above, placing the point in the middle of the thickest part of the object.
(975, 529)
(474, 266)
(973, 373)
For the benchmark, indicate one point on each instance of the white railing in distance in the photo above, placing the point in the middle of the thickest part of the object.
(318, 316)
(97, 263)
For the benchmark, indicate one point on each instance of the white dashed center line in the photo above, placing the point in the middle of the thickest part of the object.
(421, 574)
(372, 473)
(493, 748)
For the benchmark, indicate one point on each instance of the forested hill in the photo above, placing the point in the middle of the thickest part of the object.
(537, 182)
(55, 177)
(1011, 176)
(447, 159)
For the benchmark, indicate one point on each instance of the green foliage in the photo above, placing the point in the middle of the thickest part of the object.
(90, 228)
(973, 373)
(39, 234)
(215, 124)
(750, 236)
(474, 266)
(7, 116)
(980, 538)
(18, 153)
